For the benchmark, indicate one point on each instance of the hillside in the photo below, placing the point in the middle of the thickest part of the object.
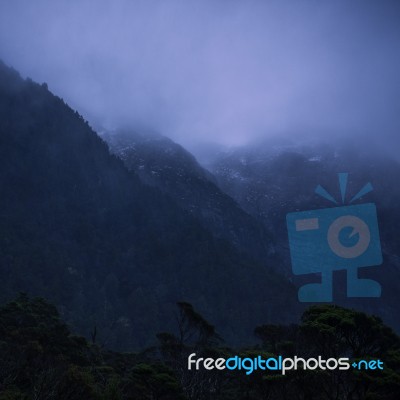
(162, 163)
(112, 253)
(279, 176)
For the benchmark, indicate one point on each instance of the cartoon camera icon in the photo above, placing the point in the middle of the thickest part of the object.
(332, 239)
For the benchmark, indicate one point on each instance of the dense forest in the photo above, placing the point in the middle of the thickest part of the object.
(79, 229)
(40, 359)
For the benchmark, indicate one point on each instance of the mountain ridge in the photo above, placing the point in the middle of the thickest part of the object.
(162, 163)
(111, 252)
(270, 181)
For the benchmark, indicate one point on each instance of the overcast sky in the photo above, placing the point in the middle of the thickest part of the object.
(220, 70)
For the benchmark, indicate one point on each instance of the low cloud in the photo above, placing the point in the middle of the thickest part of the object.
(221, 71)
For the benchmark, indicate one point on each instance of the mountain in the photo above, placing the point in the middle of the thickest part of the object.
(279, 176)
(114, 254)
(164, 164)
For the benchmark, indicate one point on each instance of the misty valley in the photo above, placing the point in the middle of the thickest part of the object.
(121, 254)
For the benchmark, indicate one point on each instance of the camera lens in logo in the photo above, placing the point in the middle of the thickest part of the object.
(359, 227)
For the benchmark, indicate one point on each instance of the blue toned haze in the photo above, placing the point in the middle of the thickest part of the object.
(224, 71)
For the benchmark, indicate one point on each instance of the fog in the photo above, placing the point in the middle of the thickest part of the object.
(223, 71)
